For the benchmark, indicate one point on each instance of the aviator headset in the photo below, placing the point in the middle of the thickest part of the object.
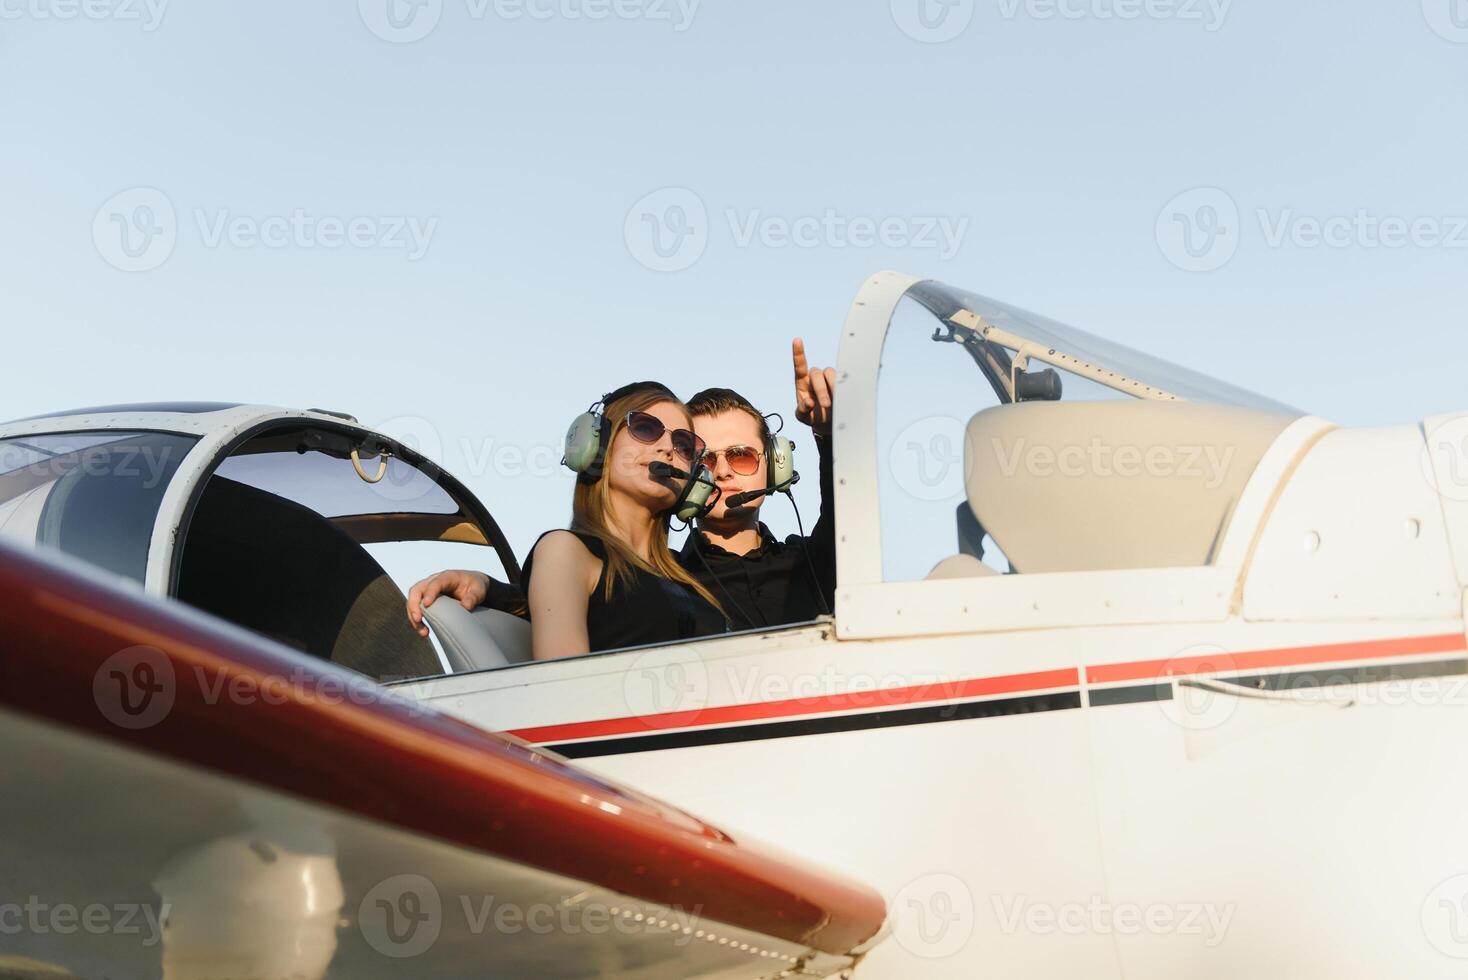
(590, 436)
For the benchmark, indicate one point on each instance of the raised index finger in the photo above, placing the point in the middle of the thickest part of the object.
(802, 367)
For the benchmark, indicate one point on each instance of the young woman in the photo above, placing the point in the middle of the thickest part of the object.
(610, 581)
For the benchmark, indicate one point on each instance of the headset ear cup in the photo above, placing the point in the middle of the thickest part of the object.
(584, 446)
(781, 461)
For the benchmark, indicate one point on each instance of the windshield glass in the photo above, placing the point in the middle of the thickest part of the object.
(947, 303)
(94, 495)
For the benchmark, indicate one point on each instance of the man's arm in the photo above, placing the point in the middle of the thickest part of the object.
(822, 540)
(815, 391)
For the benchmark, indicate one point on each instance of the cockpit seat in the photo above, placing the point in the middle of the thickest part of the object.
(479, 639)
(1089, 486)
(961, 566)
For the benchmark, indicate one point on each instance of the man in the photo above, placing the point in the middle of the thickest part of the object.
(761, 580)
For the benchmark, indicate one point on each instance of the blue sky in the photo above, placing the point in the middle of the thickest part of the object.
(451, 236)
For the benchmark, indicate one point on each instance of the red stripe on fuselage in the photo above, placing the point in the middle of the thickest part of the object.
(798, 707)
(1141, 670)
(1223, 662)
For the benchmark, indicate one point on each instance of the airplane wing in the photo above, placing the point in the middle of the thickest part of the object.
(184, 799)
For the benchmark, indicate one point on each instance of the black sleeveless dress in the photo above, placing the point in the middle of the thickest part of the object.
(649, 609)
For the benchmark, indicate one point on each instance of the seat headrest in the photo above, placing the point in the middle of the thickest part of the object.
(1082, 486)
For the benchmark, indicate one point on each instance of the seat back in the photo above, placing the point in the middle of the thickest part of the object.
(1086, 486)
(479, 639)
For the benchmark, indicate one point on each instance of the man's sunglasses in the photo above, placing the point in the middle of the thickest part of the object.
(744, 460)
(649, 429)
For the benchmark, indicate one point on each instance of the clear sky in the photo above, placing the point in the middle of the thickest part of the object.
(463, 220)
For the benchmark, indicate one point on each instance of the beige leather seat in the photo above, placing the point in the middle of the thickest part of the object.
(1088, 486)
(480, 639)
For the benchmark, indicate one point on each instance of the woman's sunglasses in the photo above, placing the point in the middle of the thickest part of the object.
(649, 429)
(744, 460)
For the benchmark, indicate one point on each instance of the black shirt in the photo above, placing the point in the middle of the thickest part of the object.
(649, 609)
(774, 584)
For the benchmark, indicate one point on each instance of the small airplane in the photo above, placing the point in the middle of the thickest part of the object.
(1131, 672)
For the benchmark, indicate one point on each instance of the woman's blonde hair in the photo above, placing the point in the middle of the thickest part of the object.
(591, 505)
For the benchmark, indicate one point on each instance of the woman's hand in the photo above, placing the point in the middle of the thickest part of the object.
(815, 390)
(469, 588)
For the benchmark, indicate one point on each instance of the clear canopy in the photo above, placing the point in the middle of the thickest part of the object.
(946, 303)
